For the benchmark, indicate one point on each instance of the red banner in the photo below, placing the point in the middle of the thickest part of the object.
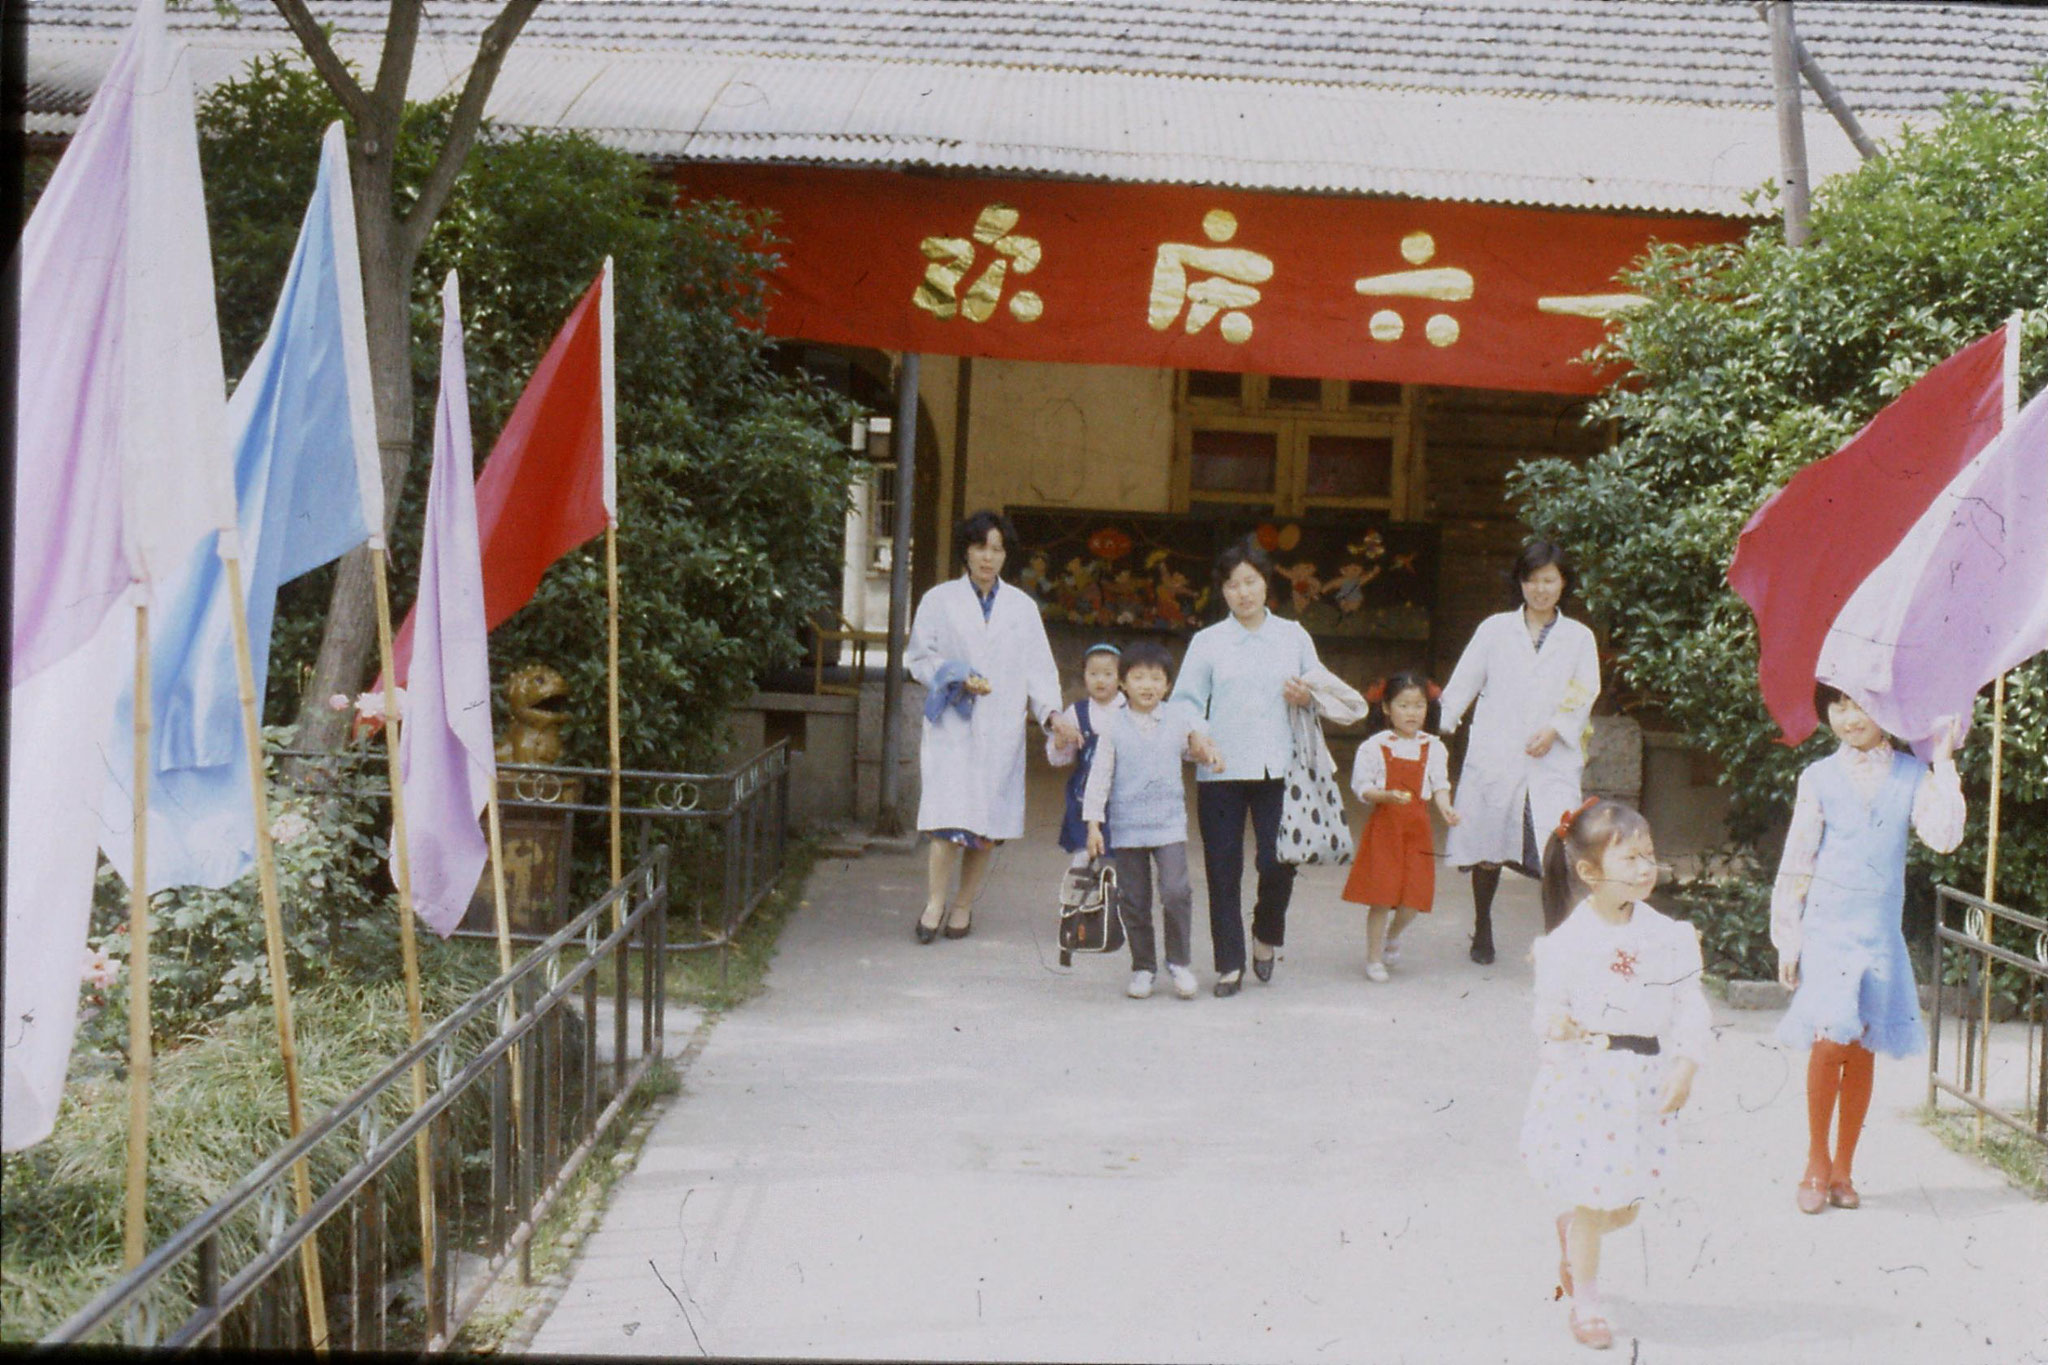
(1412, 291)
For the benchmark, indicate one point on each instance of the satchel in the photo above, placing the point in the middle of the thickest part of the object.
(1091, 916)
(1313, 828)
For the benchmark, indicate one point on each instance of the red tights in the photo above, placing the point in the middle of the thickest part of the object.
(1844, 1071)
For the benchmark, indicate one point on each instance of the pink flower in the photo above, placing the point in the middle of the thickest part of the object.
(338, 702)
(99, 970)
(288, 827)
(370, 705)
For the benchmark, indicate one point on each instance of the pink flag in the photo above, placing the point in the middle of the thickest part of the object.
(1813, 543)
(444, 744)
(1964, 597)
(120, 468)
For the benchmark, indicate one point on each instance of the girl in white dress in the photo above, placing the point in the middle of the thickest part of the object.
(1531, 674)
(1624, 1024)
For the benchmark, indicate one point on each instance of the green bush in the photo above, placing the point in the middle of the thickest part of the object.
(1733, 915)
(208, 954)
(1752, 360)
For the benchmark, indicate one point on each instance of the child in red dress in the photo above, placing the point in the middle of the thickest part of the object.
(1395, 773)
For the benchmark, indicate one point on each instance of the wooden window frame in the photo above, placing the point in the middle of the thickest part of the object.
(1292, 426)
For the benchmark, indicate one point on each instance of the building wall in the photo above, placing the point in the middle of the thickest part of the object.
(1098, 436)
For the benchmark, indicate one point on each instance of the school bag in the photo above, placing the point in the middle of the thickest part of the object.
(1091, 916)
(1312, 824)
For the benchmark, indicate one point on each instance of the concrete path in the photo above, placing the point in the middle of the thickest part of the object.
(963, 1151)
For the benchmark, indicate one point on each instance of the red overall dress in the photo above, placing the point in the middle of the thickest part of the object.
(1396, 862)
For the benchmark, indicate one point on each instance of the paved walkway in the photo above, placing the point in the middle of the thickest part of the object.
(963, 1151)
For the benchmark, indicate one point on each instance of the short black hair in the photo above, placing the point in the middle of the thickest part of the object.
(1246, 551)
(1824, 696)
(1535, 555)
(1146, 654)
(974, 531)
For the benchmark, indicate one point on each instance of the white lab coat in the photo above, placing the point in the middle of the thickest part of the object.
(1519, 691)
(973, 770)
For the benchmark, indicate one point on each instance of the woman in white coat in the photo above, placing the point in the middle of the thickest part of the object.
(978, 645)
(1534, 673)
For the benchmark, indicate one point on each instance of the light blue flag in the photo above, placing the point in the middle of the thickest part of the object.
(307, 490)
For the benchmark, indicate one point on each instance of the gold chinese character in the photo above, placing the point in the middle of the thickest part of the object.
(1447, 284)
(953, 257)
(1228, 290)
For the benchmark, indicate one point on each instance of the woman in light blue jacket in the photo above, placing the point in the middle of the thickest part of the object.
(1242, 674)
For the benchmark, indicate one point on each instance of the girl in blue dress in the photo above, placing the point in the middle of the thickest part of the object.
(1835, 922)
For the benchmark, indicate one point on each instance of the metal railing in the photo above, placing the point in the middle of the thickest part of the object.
(1976, 945)
(727, 832)
(497, 1161)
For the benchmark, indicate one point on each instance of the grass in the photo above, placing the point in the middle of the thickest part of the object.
(2023, 1161)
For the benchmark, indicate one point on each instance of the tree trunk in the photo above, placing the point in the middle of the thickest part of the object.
(348, 643)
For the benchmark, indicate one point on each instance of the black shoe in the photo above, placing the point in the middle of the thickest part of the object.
(925, 932)
(1227, 985)
(962, 932)
(1262, 968)
(1482, 949)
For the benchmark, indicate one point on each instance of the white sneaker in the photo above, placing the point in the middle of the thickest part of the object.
(1375, 972)
(1183, 980)
(1392, 952)
(1141, 985)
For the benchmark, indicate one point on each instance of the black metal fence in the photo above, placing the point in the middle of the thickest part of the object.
(1990, 979)
(726, 832)
(528, 1074)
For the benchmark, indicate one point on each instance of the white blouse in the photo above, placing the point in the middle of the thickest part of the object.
(1938, 816)
(1640, 977)
(1369, 768)
(1099, 716)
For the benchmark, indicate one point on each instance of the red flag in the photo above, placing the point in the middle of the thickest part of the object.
(1806, 550)
(549, 484)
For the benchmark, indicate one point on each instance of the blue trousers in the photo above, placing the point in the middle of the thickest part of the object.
(1220, 809)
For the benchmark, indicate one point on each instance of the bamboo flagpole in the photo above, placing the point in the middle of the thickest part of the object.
(407, 939)
(608, 410)
(273, 931)
(134, 1233)
(504, 923)
(2009, 412)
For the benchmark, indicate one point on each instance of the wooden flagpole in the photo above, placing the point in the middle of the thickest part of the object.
(611, 597)
(273, 941)
(2009, 412)
(134, 1233)
(504, 922)
(408, 944)
(609, 440)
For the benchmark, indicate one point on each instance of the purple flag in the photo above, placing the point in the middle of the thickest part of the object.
(121, 469)
(1962, 599)
(444, 744)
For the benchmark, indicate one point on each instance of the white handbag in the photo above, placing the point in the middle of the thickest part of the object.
(1313, 827)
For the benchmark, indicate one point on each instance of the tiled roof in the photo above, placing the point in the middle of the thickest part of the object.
(1580, 103)
(1883, 56)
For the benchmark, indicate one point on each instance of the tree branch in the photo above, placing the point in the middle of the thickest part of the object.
(330, 67)
(462, 125)
(394, 68)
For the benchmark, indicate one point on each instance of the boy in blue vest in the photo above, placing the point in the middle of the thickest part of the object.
(1135, 785)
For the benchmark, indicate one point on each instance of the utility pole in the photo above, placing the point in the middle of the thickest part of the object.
(1792, 175)
(1825, 88)
(904, 436)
